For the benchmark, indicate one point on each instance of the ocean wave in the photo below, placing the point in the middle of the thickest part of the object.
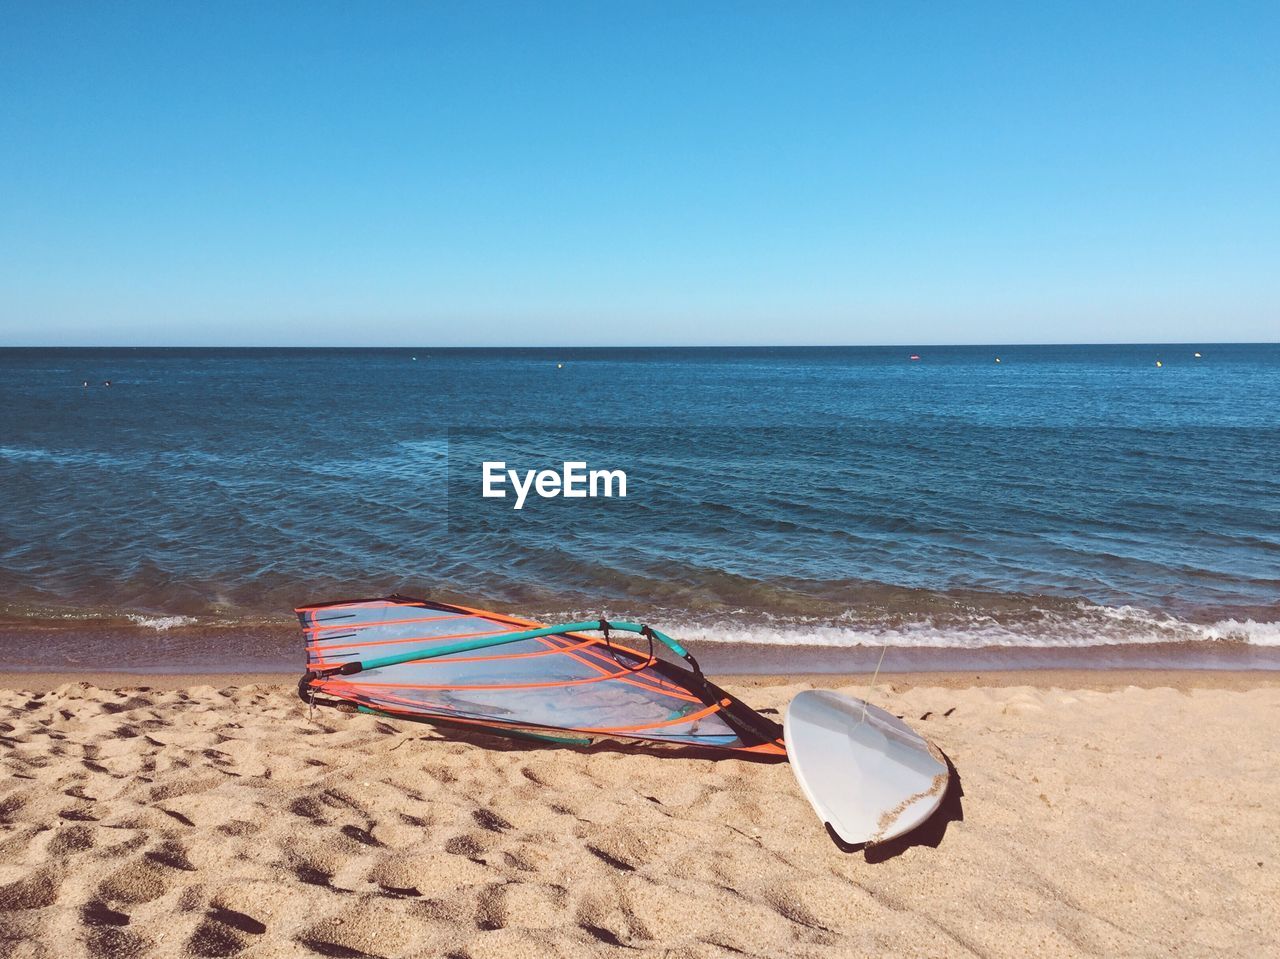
(111, 620)
(1088, 626)
(161, 623)
(56, 457)
(1003, 622)
(1249, 631)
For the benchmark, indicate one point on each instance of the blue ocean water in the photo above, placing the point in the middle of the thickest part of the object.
(1077, 497)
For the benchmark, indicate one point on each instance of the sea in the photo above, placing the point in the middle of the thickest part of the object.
(786, 509)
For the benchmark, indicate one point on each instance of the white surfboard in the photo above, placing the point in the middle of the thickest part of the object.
(866, 773)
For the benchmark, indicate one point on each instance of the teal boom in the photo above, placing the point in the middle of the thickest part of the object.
(486, 642)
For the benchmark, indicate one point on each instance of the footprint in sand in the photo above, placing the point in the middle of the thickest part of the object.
(308, 808)
(490, 820)
(97, 913)
(173, 855)
(78, 814)
(140, 881)
(360, 932)
(491, 907)
(112, 942)
(362, 836)
(224, 932)
(465, 845)
(70, 840)
(133, 702)
(35, 891)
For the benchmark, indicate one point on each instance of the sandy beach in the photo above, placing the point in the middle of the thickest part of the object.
(1096, 814)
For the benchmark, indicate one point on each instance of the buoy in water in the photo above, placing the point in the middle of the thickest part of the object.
(1158, 363)
(559, 366)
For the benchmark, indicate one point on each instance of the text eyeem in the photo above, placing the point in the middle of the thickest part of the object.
(573, 480)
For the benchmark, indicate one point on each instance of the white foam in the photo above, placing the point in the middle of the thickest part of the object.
(1253, 633)
(161, 622)
(1094, 626)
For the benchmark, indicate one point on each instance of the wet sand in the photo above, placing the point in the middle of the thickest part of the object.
(1095, 813)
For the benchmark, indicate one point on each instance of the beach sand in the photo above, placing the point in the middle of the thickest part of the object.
(211, 817)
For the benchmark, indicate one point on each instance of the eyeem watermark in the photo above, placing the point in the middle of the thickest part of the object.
(572, 481)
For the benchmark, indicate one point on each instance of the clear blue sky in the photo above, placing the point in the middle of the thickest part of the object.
(616, 173)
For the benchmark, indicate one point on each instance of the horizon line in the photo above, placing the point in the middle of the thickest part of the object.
(626, 346)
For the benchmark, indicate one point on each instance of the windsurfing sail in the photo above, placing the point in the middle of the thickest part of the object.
(437, 662)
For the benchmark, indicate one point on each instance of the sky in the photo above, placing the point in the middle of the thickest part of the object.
(608, 173)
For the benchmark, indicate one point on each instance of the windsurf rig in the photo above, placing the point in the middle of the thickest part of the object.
(868, 775)
(434, 662)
